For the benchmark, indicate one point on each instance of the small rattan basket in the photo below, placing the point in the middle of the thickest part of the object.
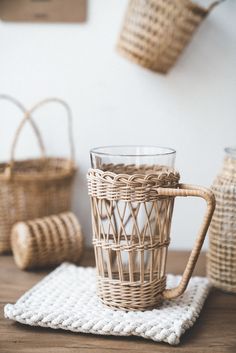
(155, 32)
(47, 241)
(221, 265)
(35, 187)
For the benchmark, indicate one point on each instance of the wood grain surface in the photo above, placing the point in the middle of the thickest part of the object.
(214, 331)
(43, 10)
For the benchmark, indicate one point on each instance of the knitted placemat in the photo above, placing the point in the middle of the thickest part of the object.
(66, 299)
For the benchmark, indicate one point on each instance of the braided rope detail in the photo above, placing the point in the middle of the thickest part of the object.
(66, 299)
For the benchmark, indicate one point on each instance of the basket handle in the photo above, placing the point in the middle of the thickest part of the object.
(31, 121)
(214, 4)
(208, 196)
(28, 117)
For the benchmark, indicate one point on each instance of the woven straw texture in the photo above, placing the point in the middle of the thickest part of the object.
(155, 32)
(131, 218)
(221, 265)
(66, 299)
(35, 187)
(47, 241)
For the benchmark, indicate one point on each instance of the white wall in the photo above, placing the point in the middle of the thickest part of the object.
(193, 109)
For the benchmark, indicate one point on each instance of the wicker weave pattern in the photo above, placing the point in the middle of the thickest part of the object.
(32, 194)
(222, 250)
(131, 235)
(138, 296)
(126, 187)
(131, 219)
(35, 187)
(47, 241)
(155, 32)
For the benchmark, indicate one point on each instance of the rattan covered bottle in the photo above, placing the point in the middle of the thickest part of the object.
(221, 266)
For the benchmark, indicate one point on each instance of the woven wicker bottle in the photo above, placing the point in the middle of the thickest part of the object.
(221, 264)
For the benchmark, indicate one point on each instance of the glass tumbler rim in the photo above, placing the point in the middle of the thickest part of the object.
(163, 151)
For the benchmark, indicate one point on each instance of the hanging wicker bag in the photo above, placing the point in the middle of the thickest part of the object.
(37, 187)
(47, 241)
(155, 32)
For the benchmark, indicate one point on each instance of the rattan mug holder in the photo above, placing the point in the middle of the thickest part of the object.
(38, 187)
(155, 32)
(117, 201)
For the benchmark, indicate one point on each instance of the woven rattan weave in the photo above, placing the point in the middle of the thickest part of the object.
(47, 241)
(131, 218)
(221, 264)
(35, 187)
(155, 32)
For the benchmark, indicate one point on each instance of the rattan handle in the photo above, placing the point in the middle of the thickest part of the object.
(69, 118)
(214, 4)
(30, 120)
(208, 196)
(28, 116)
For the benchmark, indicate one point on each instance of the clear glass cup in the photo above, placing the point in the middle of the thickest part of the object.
(135, 156)
(132, 191)
(132, 160)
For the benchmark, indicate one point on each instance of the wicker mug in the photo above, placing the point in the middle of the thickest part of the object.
(132, 191)
(155, 32)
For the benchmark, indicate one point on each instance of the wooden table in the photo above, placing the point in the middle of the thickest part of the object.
(214, 331)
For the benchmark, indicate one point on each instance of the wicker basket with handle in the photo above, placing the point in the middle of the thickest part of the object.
(155, 32)
(37, 187)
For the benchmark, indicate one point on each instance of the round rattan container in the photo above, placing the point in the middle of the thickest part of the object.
(47, 241)
(36, 187)
(221, 264)
(155, 32)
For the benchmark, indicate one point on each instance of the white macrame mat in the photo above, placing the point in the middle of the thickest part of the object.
(66, 299)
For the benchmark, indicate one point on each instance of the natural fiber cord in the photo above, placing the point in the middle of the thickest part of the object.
(66, 299)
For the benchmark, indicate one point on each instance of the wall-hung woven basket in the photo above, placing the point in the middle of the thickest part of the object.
(37, 187)
(155, 32)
